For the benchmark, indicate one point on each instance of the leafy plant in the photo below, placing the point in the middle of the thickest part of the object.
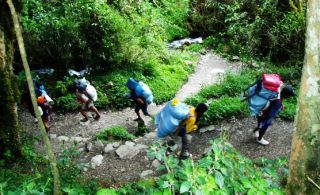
(222, 171)
(116, 132)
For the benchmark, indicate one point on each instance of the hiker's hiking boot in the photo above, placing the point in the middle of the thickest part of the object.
(137, 119)
(184, 155)
(97, 117)
(84, 120)
(263, 142)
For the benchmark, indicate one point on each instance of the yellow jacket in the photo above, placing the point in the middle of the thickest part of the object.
(190, 122)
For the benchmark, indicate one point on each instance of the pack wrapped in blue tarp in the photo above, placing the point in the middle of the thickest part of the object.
(170, 117)
(140, 89)
(257, 102)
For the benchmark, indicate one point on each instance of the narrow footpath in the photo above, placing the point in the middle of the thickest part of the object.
(122, 162)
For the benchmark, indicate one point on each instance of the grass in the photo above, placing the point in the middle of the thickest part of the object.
(225, 96)
(115, 132)
(164, 79)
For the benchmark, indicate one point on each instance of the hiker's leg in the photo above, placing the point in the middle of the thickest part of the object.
(82, 111)
(45, 120)
(144, 109)
(137, 109)
(185, 141)
(263, 129)
(94, 109)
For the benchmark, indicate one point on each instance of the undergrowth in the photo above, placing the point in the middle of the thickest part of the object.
(116, 133)
(224, 97)
(222, 171)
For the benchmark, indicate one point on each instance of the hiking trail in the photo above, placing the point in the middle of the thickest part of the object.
(125, 161)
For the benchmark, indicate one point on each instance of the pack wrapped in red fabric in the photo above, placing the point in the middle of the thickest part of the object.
(271, 82)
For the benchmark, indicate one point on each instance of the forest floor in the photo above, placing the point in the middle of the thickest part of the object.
(116, 167)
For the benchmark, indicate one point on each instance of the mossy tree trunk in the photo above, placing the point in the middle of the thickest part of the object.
(304, 177)
(10, 145)
(23, 54)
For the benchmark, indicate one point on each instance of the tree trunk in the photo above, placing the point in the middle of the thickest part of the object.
(10, 145)
(305, 155)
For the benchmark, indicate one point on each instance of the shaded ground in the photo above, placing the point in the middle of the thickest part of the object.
(115, 170)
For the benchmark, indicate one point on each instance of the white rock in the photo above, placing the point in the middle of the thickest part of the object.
(156, 163)
(99, 144)
(52, 136)
(127, 152)
(108, 148)
(129, 143)
(151, 135)
(63, 139)
(116, 144)
(96, 161)
(208, 128)
(80, 149)
(146, 173)
(76, 139)
(141, 146)
(89, 147)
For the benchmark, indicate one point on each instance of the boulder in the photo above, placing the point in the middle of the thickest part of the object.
(129, 143)
(146, 173)
(156, 163)
(127, 152)
(96, 161)
(108, 148)
(63, 139)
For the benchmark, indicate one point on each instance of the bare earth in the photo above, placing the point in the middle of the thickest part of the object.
(115, 170)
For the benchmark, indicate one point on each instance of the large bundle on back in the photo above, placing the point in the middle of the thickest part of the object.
(140, 89)
(85, 87)
(262, 92)
(170, 117)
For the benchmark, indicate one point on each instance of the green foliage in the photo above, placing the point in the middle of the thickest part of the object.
(102, 35)
(115, 132)
(289, 110)
(33, 175)
(224, 97)
(222, 171)
(225, 108)
(66, 103)
(163, 79)
(263, 29)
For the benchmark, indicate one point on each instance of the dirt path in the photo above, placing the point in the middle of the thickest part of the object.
(67, 129)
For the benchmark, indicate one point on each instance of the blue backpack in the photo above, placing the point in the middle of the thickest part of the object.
(259, 95)
(140, 89)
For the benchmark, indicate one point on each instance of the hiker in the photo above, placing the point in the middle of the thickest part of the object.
(141, 95)
(264, 119)
(188, 126)
(86, 94)
(39, 90)
(45, 110)
(178, 119)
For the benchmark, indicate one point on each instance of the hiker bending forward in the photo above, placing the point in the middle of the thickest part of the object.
(189, 126)
(86, 104)
(264, 119)
(140, 104)
(45, 110)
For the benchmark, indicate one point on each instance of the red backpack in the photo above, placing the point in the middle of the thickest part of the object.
(272, 82)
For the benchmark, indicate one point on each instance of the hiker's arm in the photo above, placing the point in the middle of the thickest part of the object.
(275, 108)
(139, 101)
(191, 124)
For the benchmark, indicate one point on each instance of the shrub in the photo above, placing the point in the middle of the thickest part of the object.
(261, 29)
(222, 171)
(116, 132)
(224, 108)
(66, 103)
